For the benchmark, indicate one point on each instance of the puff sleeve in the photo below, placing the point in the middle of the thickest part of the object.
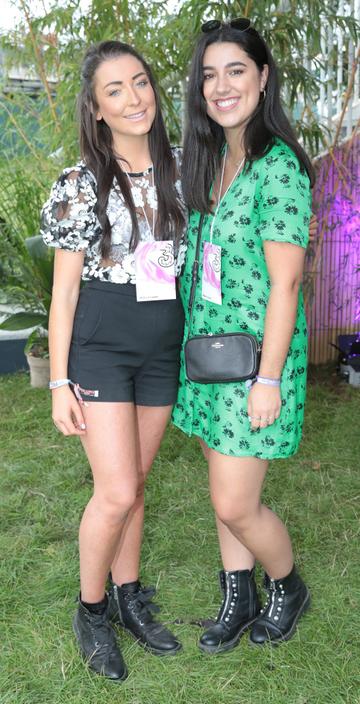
(284, 199)
(68, 218)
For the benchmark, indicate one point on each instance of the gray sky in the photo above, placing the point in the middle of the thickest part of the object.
(7, 14)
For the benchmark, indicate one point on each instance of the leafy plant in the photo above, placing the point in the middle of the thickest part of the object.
(26, 267)
(28, 281)
(51, 47)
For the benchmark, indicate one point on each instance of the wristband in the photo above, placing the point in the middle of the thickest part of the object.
(58, 382)
(268, 382)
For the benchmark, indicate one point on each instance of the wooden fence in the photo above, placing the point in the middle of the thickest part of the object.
(332, 279)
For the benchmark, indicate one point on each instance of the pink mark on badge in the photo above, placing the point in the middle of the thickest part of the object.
(211, 278)
(155, 263)
(155, 271)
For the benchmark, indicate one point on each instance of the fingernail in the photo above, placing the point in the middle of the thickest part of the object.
(83, 426)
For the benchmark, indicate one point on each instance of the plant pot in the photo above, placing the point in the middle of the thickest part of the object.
(39, 371)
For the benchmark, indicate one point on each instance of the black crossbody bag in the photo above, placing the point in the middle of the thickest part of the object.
(211, 359)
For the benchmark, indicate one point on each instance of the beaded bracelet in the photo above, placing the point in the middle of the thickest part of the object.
(268, 382)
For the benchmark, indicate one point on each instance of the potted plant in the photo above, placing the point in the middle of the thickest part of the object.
(28, 276)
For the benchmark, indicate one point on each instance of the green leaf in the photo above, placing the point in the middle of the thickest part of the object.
(43, 257)
(23, 320)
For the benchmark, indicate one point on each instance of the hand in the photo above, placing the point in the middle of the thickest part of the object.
(264, 405)
(313, 227)
(66, 412)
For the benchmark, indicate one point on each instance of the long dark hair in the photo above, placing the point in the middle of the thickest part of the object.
(204, 138)
(96, 146)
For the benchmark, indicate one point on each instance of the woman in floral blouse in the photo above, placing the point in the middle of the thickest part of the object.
(117, 223)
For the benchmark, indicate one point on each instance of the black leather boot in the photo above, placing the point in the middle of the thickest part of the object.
(97, 643)
(238, 611)
(287, 600)
(131, 607)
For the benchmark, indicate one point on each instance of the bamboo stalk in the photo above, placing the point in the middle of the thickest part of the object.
(40, 65)
(18, 128)
(342, 170)
(247, 8)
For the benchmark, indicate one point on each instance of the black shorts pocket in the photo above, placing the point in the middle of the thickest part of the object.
(88, 316)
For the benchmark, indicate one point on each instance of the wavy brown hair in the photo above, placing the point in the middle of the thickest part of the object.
(96, 144)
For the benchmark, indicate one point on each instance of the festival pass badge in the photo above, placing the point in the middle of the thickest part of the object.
(155, 271)
(211, 276)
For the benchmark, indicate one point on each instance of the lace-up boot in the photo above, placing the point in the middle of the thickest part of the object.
(238, 611)
(131, 607)
(287, 600)
(97, 643)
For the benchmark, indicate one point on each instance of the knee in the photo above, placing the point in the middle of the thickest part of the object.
(116, 504)
(234, 511)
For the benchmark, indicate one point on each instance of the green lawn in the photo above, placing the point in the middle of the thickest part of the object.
(45, 483)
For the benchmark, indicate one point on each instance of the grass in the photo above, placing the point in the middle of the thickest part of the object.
(45, 483)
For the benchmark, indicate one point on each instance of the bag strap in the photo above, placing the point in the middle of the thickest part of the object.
(195, 271)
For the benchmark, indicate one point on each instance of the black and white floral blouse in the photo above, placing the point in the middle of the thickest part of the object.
(69, 221)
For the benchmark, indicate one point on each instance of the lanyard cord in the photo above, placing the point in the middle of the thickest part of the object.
(151, 230)
(194, 273)
(221, 197)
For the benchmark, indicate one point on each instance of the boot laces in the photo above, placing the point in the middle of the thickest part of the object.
(143, 607)
(102, 633)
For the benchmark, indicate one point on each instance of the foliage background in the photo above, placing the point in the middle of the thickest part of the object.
(37, 115)
(51, 46)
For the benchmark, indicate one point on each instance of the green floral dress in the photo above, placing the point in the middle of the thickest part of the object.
(270, 202)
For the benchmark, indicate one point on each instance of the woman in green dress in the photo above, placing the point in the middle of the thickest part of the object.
(240, 149)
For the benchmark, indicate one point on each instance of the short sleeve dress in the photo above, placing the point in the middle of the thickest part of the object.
(271, 201)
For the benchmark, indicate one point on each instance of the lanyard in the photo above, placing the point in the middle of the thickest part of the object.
(151, 230)
(220, 198)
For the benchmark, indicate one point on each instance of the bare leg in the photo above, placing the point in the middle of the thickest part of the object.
(235, 485)
(111, 447)
(234, 555)
(151, 425)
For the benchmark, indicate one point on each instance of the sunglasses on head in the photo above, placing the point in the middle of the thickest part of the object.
(240, 23)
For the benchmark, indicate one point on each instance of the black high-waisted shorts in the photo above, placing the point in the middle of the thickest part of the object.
(122, 350)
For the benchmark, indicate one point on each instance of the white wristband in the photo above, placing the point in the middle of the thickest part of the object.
(268, 382)
(58, 382)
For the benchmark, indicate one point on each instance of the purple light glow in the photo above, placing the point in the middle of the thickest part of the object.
(333, 274)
